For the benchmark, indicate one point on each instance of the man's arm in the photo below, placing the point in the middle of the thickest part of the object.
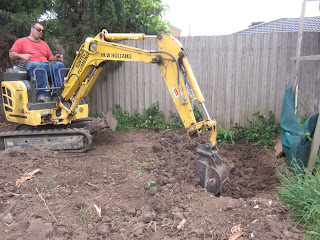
(17, 56)
(57, 57)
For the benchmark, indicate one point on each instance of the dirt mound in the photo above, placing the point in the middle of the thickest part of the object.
(139, 185)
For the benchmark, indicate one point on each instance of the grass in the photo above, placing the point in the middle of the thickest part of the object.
(85, 214)
(300, 189)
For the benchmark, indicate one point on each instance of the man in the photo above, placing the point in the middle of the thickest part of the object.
(37, 54)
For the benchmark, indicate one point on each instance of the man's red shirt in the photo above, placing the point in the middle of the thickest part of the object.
(39, 51)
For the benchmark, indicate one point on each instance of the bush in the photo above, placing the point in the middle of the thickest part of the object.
(153, 119)
(261, 131)
(225, 136)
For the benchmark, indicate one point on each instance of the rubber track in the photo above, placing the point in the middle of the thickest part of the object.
(63, 132)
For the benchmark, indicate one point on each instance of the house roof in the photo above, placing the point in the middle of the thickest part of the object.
(311, 24)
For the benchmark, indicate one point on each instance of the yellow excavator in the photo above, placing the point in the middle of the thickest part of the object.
(60, 123)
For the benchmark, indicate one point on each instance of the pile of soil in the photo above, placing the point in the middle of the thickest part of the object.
(139, 185)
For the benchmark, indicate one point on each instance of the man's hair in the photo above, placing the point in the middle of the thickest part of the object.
(35, 23)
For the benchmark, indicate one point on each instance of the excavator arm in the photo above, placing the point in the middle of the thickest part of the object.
(178, 76)
(172, 62)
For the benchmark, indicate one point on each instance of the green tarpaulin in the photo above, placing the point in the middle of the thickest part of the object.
(295, 145)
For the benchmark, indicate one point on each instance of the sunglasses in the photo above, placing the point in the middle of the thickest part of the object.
(38, 29)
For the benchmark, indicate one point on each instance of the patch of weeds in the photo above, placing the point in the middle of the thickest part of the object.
(140, 170)
(151, 183)
(262, 130)
(51, 182)
(85, 214)
(124, 119)
(197, 113)
(225, 136)
(150, 160)
(301, 119)
(317, 163)
(300, 189)
(307, 134)
(116, 208)
(175, 122)
(155, 119)
(54, 163)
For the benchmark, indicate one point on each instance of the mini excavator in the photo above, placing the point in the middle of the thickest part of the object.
(60, 124)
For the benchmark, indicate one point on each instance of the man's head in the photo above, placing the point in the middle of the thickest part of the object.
(36, 31)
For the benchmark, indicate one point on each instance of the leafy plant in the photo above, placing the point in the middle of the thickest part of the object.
(302, 119)
(51, 181)
(155, 118)
(307, 134)
(150, 160)
(261, 131)
(176, 122)
(150, 183)
(197, 113)
(317, 163)
(225, 136)
(125, 121)
(301, 191)
(85, 214)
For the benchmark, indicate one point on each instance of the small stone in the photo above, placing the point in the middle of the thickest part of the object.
(8, 219)
(103, 229)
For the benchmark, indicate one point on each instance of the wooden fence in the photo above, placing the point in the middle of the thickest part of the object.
(238, 75)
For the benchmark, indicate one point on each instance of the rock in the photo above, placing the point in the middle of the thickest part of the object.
(147, 217)
(103, 229)
(152, 191)
(7, 219)
(61, 230)
(106, 219)
(80, 236)
(157, 148)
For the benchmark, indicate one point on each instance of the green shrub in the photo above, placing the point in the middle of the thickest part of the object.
(261, 131)
(125, 121)
(225, 136)
(175, 122)
(197, 113)
(153, 119)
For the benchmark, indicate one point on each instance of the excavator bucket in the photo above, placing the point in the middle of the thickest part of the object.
(111, 121)
(209, 168)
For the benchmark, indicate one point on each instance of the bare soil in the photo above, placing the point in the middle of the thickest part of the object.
(64, 198)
